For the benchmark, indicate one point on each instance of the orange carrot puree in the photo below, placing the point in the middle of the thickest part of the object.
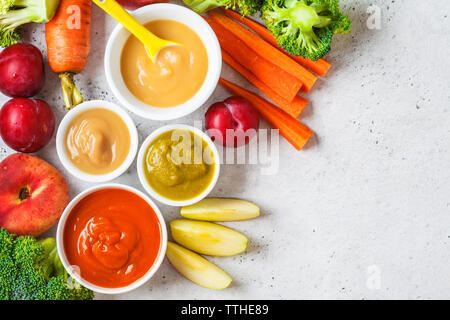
(113, 236)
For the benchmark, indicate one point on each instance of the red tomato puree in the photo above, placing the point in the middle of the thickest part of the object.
(113, 236)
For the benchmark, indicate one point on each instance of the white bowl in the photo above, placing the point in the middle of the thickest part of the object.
(140, 165)
(163, 12)
(76, 275)
(61, 136)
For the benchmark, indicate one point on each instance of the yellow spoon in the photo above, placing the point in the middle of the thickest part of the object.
(152, 43)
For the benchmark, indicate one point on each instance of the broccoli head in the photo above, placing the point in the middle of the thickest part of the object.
(14, 13)
(30, 269)
(246, 7)
(305, 27)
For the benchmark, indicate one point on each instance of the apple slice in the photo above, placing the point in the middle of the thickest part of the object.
(221, 209)
(196, 268)
(208, 238)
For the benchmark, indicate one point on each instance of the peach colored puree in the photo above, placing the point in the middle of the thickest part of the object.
(97, 141)
(113, 236)
(178, 72)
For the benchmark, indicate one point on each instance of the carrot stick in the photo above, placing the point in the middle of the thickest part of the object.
(320, 67)
(266, 50)
(281, 82)
(293, 108)
(292, 130)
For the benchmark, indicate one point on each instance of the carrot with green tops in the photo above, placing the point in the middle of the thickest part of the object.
(68, 44)
(292, 130)
(320, 67)
(266, 50)
(293, 108)
(281, 82)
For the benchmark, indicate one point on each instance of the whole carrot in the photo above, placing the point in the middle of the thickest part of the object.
(68, 43)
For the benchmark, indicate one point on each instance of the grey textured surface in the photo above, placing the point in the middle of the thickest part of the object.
(368, 197)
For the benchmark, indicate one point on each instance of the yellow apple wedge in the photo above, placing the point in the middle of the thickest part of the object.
(196, 268)
(207, 238)
(221, 209)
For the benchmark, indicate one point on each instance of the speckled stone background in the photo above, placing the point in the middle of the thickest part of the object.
(363, 211)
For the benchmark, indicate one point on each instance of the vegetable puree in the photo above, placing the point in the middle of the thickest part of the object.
(177, 74)
(97, 141)
(179, 165)
(113, 236)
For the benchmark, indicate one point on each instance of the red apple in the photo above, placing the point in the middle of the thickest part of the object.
(134, 4)
(21, 70)
(235, 115)
(26, 125)
(33, 194)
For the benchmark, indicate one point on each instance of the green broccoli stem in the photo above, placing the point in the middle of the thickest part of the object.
(58, 268)
(43, 9)
(13, 14)
(10, 21)
(300, 15)
(311, 39)
(201, 6)
(48, 245)
(320, 7)
(47, 257)
(15, 18)
(26, 3)
(71, 94)
(51, 254)
(323, 22)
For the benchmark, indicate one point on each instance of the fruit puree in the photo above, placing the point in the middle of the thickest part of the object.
(97, 141)
(177, 74)
(113, 236)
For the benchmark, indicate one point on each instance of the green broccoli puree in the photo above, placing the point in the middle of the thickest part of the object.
(179, 165)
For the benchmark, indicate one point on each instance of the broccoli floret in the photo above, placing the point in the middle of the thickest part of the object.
(14, 13)
(33, 268)
(30, 269)
(62, 287)
(246, 7)
(249, 7)
(305, 27)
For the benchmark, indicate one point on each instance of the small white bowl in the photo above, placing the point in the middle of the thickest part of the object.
(163, 12)
(140, 165)
(76, 275)
(61, 136)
